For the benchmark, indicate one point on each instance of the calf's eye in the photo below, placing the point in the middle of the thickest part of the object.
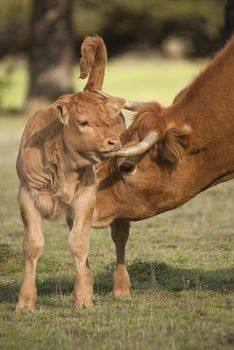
(82, 122)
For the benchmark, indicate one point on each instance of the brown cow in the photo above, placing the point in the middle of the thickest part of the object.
(59, 146)
(178, 152)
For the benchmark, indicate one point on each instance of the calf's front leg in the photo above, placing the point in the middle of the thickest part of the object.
(120, 233)
(32, 247)
(79, 245)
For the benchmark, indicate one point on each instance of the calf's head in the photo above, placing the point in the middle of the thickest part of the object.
(92, 125)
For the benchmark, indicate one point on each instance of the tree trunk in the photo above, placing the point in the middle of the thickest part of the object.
(51, 52)
(229, 19)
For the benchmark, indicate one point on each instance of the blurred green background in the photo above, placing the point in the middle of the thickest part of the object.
(123, 23)
(40, 43)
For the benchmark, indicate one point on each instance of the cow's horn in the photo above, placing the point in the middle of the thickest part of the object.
(133, 105)
(130, 105)
(148, 141)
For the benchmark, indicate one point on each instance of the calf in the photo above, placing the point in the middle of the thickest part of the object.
(59, 146)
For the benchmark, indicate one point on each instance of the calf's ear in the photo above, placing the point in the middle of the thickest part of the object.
(174, 143)
(115, 105)
(61, 110)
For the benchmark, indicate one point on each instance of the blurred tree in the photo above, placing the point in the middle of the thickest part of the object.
(229, 18)
(51, 51)
(124, 24)
(131, 24)
(14, 18)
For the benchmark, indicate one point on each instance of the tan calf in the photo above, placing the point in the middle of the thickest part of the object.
(59, 146)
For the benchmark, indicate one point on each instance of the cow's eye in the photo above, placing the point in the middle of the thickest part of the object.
(126, 168)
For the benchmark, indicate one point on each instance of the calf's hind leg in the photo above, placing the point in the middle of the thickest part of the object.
(119, 234)
(32, 247)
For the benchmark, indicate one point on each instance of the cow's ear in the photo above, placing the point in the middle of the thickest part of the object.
(174, 143)
(61, 110)
(115, 105)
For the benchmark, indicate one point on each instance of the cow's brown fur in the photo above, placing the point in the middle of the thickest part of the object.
(59, 146)
(195, 151)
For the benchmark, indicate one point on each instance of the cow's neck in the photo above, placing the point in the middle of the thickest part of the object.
(208, 103)
(208, 107)
(193, 175)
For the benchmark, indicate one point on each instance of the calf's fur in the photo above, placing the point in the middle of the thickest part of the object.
(59, 146)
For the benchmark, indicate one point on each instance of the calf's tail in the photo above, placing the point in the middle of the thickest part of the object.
(93, 62)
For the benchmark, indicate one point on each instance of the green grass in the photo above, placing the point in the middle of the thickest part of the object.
(180, 263)
(13, 84)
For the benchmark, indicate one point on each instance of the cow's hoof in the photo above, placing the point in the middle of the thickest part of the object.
(121, 282)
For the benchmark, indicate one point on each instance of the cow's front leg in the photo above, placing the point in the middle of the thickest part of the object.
(33, 247)
(79, 245)
(119, 234)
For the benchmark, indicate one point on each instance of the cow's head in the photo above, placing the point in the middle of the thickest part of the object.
(141, 178)
(92, 125)
(164, 137)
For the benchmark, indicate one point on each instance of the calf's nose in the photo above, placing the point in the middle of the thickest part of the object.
(113, 144)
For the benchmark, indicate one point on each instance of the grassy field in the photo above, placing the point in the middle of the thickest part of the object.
(180, 263)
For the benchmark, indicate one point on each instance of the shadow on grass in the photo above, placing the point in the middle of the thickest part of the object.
(144, 275)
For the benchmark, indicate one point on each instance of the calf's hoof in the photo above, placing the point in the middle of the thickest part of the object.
(123, 292)
(83, 302)
(25, 303)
